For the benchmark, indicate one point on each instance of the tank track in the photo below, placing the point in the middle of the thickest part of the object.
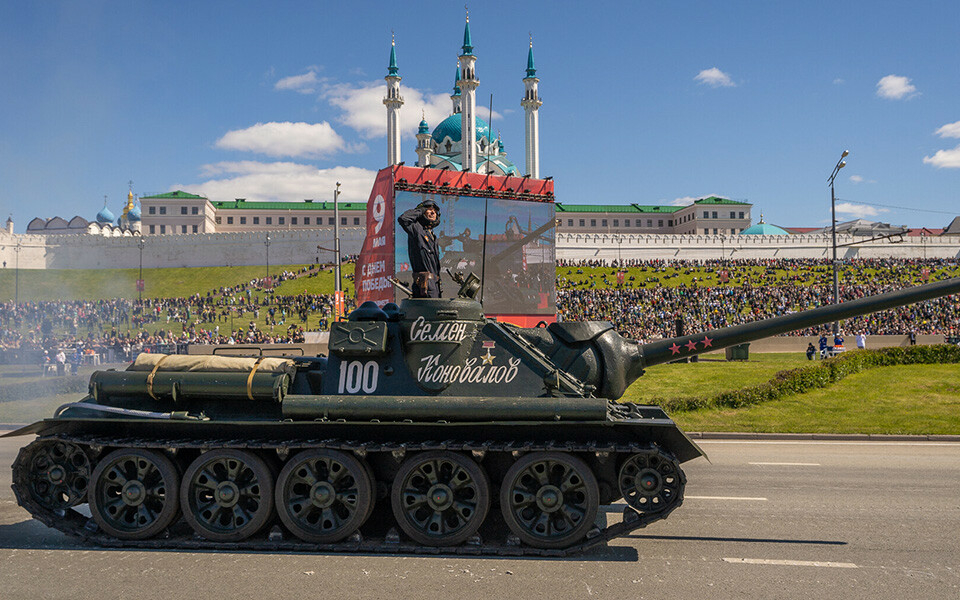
(181, 537)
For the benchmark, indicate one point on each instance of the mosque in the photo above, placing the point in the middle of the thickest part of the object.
(444, 147)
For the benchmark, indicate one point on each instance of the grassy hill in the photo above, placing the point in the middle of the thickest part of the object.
(675, 276)
(55, 284)
(102, 284)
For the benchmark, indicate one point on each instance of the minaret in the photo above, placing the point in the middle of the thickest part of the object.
(393, 102)
(455, 96)
(468, 102)
(531, 103)
(424, 144)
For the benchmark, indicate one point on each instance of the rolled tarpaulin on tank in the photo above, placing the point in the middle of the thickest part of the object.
(442, 408)
(190, 385)
(210, 363)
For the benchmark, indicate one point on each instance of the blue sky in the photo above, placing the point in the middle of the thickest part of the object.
(647, 102)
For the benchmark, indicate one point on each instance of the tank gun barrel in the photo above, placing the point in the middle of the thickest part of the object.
(662, 351)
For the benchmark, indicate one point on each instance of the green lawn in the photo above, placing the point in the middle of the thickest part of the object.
(103, 284)
(712, 374)
(906, 399)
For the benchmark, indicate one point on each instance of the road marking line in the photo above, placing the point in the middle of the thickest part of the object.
(786, 464)
(791, 563)
(724, 498)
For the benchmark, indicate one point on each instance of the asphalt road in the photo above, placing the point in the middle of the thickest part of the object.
(802, 519)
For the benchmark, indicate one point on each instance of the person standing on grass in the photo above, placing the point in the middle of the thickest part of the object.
(861, 341)
(61, 359)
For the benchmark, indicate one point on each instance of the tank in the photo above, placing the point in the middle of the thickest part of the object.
(429, 428)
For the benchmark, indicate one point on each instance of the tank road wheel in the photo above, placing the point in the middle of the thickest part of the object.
(549, 499)
(134, 493)
(323, 496)
(440, 498)
(651, 482)
(56, 473)
(227, 495)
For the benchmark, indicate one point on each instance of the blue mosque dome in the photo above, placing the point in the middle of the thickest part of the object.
(762, 228)
(424, 128)
(105, 216)
(451, 127)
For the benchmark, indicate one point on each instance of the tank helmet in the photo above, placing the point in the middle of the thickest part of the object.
(431, 203)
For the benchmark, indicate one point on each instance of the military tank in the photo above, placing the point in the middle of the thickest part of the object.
(429, 428)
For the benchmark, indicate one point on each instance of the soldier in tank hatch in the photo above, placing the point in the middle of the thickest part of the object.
(419, 223)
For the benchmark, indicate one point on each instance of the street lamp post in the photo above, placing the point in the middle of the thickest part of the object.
(140, 244)
(266, 279)
(16, 298)
(336, 237)
(833, 220)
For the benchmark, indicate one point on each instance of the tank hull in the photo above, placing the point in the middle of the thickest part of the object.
(385, 447)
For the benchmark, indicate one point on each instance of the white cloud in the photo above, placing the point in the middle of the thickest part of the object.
(363, 109)
(950, 130)
(304, 84)
(714, 77)
(856, 179)
(944, 159)
(858, 211)
(895, 87)
(280, 181)
(838, 81)
(286, 139)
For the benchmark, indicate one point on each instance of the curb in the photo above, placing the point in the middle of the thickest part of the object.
(834, 437)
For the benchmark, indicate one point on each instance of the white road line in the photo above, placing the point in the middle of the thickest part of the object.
(785, 464)
(791, 563)
(725, 498)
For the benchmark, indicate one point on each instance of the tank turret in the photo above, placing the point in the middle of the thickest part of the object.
(399, 440)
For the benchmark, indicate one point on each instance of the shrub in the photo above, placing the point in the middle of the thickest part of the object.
(820, 375)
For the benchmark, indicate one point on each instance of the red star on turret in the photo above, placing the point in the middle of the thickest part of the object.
(674, 349)
(692, 345)
(707, 342)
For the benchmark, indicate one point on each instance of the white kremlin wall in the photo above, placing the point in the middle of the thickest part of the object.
(185, 250)
(300, 247)
(607, 247)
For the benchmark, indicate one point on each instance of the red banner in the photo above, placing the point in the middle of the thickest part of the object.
(375, 263)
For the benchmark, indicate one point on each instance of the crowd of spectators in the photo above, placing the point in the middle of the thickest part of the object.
(121, 328)
(727, 293)
(636, 296)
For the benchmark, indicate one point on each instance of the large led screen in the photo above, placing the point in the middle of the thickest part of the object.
(508, 243)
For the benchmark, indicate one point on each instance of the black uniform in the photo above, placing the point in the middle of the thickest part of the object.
(423, 251)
